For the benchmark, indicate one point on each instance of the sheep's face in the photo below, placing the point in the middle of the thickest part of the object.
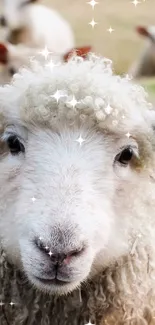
(64, 203)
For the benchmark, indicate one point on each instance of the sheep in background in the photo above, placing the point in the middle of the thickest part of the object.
(77, 206)
(35, 25)
(145, 65)
(14, 57)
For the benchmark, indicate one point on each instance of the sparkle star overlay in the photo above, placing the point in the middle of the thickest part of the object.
(80, 140)
(45, 53)
(73, 102)
(136, 2)
(110, 30)
(92, 3)
(93, 23)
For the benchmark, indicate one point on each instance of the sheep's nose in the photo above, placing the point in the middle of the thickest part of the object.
(61, 257)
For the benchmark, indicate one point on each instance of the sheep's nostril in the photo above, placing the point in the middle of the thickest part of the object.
(58, 258)
(62, 258)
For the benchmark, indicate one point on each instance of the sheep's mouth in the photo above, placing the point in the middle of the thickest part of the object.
(54, 281)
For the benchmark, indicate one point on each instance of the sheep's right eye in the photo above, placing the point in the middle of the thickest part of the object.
(15, 146)
(125, 156)
(3, 21)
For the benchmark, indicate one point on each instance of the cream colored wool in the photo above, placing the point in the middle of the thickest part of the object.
(119, 285)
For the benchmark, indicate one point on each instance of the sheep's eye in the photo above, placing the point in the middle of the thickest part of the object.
(125, 156)
(15, 145)
(12, 71)
(3, 21)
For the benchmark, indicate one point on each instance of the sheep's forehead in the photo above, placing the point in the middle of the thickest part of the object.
(87, 91)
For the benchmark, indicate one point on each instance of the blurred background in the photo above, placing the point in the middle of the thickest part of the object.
(124, 44)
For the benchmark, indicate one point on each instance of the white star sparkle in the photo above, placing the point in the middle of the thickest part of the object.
(46, 247)
(45, 52)
(93, 3)
(93, 23)
(73, 102)
(89, 323)
(11, 303)
(110, 30)
(33, 199)
(51, 64)
(57, 95)
(128, 135)
(50, 253)
(108, 109)
(40, 238)
(1, 303)
(80, 140)
(135, 2)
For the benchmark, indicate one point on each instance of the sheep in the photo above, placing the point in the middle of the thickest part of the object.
(77, 201)
(14, 57)
(145, 66)
(35, 25)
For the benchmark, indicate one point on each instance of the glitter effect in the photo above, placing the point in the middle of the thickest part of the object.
(108, 109)
(93, 3)
(1, 303)
(110, 30)
(57, 95)
(80, 140)
(73, 102)
(89, 323)
(52, 65)
(128, 135)
(45, 53)
(93, 23)
(136, 2)
(12, 304)
(33, 199)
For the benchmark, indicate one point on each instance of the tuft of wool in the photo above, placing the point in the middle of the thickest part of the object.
(101, 299)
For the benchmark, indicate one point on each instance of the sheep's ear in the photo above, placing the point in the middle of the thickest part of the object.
(142, 30)
(79, 51)
(3, 54)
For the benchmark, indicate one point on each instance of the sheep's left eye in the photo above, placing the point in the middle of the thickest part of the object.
(125, 156)
(15, 145)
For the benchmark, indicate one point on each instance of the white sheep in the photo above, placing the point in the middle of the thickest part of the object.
(36, 25)
(77, 207)
(14, 57)
(145, 65)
